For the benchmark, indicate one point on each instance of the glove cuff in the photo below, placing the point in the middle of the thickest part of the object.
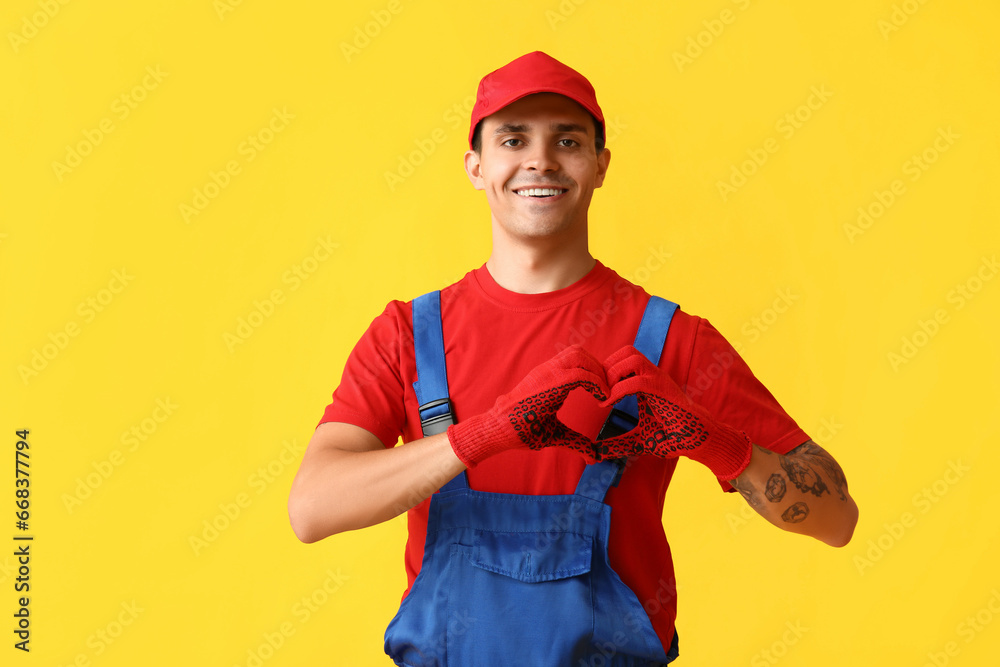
(726, 454)
(478, 438)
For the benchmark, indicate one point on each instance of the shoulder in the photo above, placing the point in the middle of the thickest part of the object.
(694, 347)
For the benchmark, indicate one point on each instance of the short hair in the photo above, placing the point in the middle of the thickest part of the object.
(477, 136)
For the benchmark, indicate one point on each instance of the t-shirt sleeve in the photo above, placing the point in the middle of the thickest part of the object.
(370, 394)
(722, 382)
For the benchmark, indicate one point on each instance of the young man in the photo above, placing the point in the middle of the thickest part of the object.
(546, 544)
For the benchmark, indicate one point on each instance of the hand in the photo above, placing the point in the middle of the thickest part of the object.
(526, 416)
(670, 423)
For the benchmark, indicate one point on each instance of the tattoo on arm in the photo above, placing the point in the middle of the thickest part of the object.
(796, 513)
(810, 452)
(775, 490)
(804, 466)
(803, 476)
(747, 491)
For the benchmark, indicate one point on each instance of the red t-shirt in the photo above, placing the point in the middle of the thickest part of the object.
(492, 338)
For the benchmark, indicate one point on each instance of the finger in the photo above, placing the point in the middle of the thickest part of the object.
(574, 364)
(578, 443)
(619, 355)
(636, 384)
(575, 356)
(570, 379)
(620, 445)
(633, 364)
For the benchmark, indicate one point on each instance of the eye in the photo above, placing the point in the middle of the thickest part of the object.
(512, 142)
(568, 143)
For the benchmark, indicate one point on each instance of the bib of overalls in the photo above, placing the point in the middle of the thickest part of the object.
(510, 579)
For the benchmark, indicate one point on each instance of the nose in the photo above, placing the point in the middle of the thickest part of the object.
(541, 157)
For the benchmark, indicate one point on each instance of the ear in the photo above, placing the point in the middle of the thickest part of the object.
(603, 160)
(474, 169)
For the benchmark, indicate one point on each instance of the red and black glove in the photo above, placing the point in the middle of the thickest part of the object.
(670, 423)
(526, 416)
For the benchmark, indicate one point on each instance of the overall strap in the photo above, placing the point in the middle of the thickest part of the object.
(653, 328)
(649, 340)
(431, 387)
(598, 477)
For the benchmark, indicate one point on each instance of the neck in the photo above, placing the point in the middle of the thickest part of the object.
(536, 266)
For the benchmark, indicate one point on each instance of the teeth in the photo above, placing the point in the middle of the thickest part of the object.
(539, 192)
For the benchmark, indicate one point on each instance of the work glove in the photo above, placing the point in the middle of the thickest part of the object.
(670, 423)
(526, 416)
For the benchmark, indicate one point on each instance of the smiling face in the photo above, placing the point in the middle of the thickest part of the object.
(538, 166)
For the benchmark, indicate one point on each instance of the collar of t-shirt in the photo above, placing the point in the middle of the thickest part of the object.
(505, 298)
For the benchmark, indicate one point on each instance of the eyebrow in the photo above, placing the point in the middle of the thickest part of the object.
(569, 127)
(557, 127)
(509, 127)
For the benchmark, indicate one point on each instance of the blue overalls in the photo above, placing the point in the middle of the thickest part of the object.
(523, 580)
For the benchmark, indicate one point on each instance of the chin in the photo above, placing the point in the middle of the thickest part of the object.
(539, 229)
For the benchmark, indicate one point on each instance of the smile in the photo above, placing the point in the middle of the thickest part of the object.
(540, 192)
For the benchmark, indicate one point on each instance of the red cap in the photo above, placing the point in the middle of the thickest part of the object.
(533, 73)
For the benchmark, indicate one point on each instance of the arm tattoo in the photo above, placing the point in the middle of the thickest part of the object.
(775, 488)
(747, 491)
(796, 513)
(803, 477)
(810, 452)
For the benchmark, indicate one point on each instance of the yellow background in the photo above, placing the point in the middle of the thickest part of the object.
(120, 563)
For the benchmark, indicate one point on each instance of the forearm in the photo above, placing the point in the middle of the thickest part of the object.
(804, 492)
(348, 480)
(338, 490)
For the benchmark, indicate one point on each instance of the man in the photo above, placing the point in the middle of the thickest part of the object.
(546, 545)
